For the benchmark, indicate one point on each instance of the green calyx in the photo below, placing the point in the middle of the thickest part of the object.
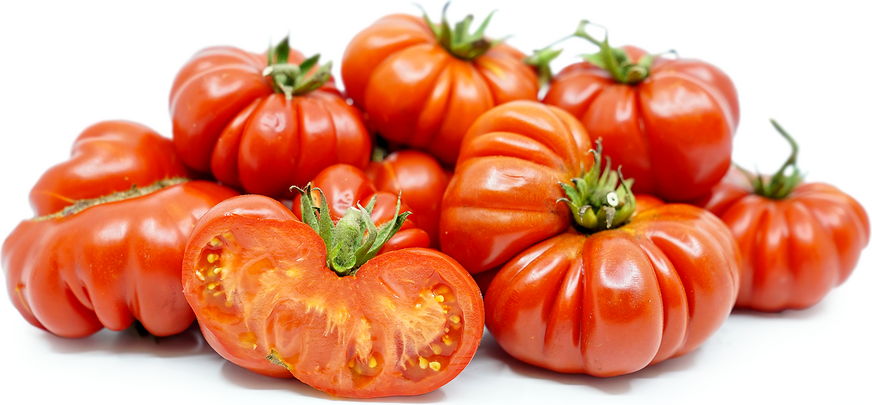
(459, 41)
(779, 185)
(354, 239)
(613, 60)
(596, 200)
(290, 79)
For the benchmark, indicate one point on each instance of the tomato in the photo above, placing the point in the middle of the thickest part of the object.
(798, 241)
(421, 180)
(615, 301)
(114, 255)
(424, 90)
(503, 195)
(267, 298)
(263, 133)
(108, 156)
(345, 186)
(668, 123)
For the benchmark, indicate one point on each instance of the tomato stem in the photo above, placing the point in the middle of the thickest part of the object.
(613, 60)
(459, 42)
(596, 201)
(354, 239)
(290, 79)
(779, 185)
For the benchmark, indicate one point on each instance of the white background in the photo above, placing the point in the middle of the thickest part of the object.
(66, 66)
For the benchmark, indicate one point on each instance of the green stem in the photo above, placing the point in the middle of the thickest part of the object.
(596, 200)
(459, 42)
(780, 185)
(354, 239)
(290, 79)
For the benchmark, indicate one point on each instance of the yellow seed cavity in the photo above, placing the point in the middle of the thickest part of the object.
(211, 257)
(447, 340)
(437, 350)
(372, 362)
(435, 366)
(351, 363)
(422, 362)
(212, 286)
(440, 298)
(418, 305)
(454, 318)
(199, 275)
(217, 293)
(228, 236)
(214, 242)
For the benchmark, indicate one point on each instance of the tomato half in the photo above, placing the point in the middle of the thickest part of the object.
(235, 122)
(406, 323)
(113, 255)
(422, 91)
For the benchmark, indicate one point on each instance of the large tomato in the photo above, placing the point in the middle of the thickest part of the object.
(503, 195)
(263, 125)
(268, 297)
(798, 240)
(668, 122)
(345, 186)
(114, 254)
(423, 84)
(421, 180)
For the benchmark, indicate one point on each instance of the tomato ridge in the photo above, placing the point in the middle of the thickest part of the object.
(134, 192)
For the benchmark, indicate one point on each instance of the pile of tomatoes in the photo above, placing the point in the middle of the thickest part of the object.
(361, 239)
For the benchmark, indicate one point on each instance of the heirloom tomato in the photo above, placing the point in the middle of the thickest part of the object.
(313, 300)
(798, 240)
(113, 255)
(622, 288)
(421, 180)
(668, 122)
(345, 186)
(263, 123)
(503, 195)
(424, 84)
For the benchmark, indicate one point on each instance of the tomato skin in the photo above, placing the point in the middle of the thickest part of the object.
(228, 121)
(794, 250)
(503, 195)
(672, 132)
(106, 157)
(345, 186)
(288, 302)
(421, 180)
(615, 301)
(418, 94)
(109, 264)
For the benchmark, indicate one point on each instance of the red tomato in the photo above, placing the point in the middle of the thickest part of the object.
(421, 180)
(231, 120)
(114, 255)
(503, 195)
(345, 186)
(107, 157)
(423, 92)
(795, 247)
(615, 301)
(406, 323)
(671, 127)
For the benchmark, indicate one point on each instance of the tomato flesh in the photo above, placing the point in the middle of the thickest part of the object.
(267, 301)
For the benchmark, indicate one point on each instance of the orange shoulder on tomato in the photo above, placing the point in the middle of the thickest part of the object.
(263, 123)
(422, 89)
(268, 298)
(798, 240)
(668, 122)
(113, 255)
